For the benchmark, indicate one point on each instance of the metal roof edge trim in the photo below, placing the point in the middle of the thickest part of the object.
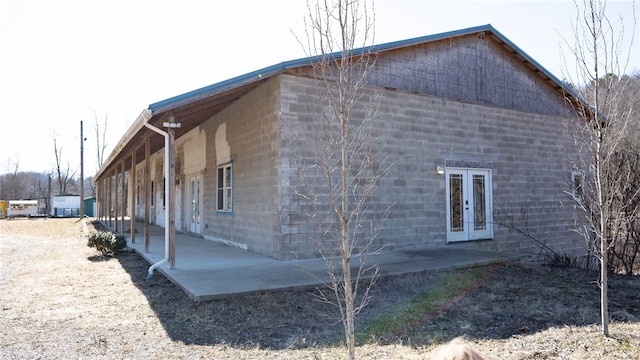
(426, 39)
(567, 89)
(219, 87)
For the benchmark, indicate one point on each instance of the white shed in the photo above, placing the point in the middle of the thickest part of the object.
(65, 205)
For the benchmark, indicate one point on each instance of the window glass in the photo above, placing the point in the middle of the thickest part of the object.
(225, 188)
(479, 207)
(577, 184)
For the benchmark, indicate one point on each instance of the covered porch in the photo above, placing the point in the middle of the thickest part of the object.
(155, 131)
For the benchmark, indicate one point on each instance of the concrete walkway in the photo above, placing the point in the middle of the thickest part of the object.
(207, 270)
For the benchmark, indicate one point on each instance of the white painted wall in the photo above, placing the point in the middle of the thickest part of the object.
(194, 143)
(194, 162)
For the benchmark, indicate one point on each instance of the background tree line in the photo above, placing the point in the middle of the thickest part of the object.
(31, 185)
(620, 174)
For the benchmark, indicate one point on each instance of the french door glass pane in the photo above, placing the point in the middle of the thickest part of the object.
(479, 207)
(456, 203)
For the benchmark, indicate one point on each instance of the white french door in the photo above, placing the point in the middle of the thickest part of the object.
(468, 204)
(195, 211)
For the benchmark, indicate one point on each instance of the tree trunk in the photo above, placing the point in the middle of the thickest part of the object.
(349, 321)
(604, 309)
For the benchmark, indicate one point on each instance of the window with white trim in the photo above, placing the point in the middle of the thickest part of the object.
(225, 188)
(577, 180)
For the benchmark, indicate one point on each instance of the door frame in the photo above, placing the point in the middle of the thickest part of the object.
(468, 231)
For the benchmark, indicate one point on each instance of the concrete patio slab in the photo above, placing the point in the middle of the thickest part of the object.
(207, 270)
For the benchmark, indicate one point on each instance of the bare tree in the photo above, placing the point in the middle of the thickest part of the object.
(13, 186)
(346, 159)
(600, 61)
(64, 177)
(101, 139)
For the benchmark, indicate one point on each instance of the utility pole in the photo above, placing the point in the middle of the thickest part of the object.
(81, 172)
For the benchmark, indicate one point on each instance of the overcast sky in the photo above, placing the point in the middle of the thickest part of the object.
(64, 61)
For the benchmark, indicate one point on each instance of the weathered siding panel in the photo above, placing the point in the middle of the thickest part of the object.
(472, 69)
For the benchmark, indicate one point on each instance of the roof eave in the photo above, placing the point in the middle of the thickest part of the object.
(558, 84)
(220, 87)
(137, 125)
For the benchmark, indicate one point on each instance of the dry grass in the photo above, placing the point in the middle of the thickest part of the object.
(60, 299)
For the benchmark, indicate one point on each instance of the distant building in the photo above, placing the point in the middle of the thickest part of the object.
(65, 205)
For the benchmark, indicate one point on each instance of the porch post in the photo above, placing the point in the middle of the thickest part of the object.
(98, 200)
(132, 186)
(109, 195)
(97, 213)
(100, 194)
(147, 192)
(103, 193)
(115, 198)
(171, 188)
(123, 197)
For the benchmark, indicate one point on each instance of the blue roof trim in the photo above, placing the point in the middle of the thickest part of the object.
(429, 38)
(566, 88)
(535, 63)
(230, 83)
(273, 70)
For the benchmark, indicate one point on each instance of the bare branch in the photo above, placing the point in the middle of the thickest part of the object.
(606, 200)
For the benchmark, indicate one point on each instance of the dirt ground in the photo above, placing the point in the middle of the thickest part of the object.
(60, 300)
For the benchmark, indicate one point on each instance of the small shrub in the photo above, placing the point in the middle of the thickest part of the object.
(563, 261)
(107, 243)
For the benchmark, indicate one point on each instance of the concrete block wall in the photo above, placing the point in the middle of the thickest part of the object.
(253, 136)
(526, 152)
